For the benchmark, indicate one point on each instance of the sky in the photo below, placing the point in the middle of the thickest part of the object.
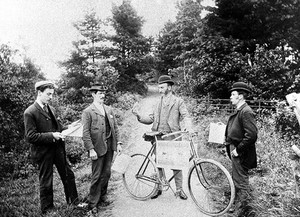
(43, 29)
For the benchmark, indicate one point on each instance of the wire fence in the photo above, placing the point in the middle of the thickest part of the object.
(224, 105)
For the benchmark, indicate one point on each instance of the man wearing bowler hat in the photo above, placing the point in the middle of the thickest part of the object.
(165, 118)
(43, 131)
(100, 137)
(241, 135)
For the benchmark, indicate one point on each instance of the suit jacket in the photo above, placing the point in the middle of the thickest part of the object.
(94, 134)
(177, 110)
(241, 131)
(38, 130)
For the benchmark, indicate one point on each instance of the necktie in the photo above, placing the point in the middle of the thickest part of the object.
(46, 109)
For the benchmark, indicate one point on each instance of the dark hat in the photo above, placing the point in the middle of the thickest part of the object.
(44, 83)
(240, 86)
(165, 79)
(98, 87)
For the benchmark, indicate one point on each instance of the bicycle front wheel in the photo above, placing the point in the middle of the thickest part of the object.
(140, 178)
(211, 187)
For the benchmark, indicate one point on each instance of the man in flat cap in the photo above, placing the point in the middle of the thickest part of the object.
(165, 118)
(241, 135)
(43, 131)
(100, 137)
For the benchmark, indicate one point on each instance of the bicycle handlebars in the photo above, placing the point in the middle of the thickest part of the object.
(175, 133)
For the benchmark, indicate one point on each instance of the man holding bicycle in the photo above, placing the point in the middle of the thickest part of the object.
(165, 118)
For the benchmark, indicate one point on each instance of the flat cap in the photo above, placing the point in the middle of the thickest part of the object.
(43, 83)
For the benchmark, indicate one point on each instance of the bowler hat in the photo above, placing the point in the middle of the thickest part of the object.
(240, 86)
(165, 79)
(43, 83)
(98, 87)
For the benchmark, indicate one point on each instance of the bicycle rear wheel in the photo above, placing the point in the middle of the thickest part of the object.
(140, 178)
(211, 187)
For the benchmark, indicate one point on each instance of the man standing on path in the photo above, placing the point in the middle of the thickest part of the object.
(100, 137)
(43, 131)
(241, 135)
(165, 118)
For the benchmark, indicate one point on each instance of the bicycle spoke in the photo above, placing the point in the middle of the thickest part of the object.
(138, 179)
(209, 183)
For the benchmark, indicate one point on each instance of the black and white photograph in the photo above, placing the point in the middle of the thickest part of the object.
(153, 108)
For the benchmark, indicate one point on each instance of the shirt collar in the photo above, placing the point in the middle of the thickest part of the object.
(98, 104)
(100, 107)
(238, 107)
(40, 103)
(166, 97)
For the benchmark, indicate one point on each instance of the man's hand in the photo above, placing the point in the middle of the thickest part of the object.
(58, 136)
(119, 147)
(234, 153)
(135, 109)
(93, 154)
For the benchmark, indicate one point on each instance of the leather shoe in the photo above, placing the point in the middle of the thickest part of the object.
(105, 203)
(159, 192)
(181, 195)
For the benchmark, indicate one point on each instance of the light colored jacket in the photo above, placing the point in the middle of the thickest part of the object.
(94, 134)
(176, 110)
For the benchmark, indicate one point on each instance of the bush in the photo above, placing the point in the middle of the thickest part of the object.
(286, 122)
(74, 149)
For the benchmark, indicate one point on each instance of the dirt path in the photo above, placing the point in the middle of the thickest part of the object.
(165, 205)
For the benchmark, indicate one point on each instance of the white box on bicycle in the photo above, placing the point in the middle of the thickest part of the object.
(172, 154)
(217, 133)
(121, 163)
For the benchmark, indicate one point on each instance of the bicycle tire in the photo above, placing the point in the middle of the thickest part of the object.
(142, 186)
(213, 189)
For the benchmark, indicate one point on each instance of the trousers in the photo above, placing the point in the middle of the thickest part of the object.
(101, 172)
(56, 156)
(178, 173)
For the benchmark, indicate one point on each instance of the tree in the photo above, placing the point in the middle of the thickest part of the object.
(238, 41)
(271, 23)
(16, 94)
(132, 49)
(272, 73)
(175, 41)
(89, 61)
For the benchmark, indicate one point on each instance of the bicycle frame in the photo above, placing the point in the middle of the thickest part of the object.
(142, 180)
(141, 171)
(194, 157)
(140, 175)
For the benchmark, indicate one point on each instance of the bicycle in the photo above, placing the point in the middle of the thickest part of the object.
(210, 184)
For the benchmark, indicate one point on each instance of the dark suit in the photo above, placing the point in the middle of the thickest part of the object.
(241, 134)
(101, 134)
(241, 131)
(46, 151)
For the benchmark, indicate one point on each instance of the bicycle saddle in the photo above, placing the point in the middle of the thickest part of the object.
(149, 136)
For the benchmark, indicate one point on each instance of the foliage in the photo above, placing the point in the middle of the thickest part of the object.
(89, 61)
(286, 123)
(125, 100)
(272, 181)
(273, 73)
(74, 149)
(273, 23)
(131, 48)
(177, 38)
(16, 94)
(207, 58)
